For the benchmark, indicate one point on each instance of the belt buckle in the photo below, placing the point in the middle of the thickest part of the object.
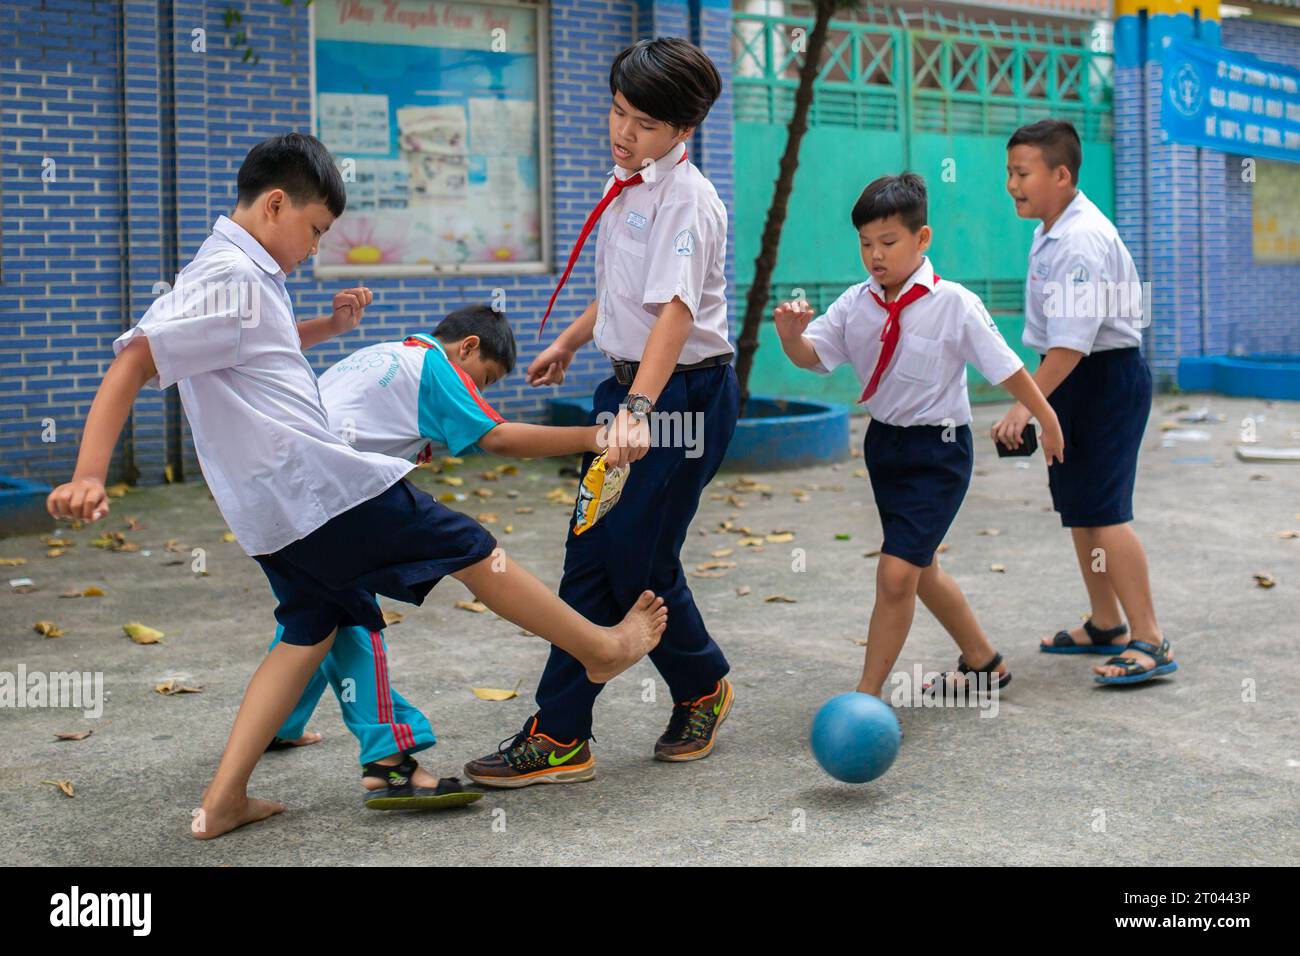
(623, 373)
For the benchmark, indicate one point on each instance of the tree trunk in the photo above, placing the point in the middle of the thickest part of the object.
(765, 263)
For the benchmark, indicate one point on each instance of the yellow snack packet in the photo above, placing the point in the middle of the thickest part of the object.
(598, 493)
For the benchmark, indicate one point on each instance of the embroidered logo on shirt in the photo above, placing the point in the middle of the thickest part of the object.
(635, 220)
(684, 243)
(1079, 274)
(1042, 270)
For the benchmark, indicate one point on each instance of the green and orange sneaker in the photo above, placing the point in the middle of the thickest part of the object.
(693, 727)
(531, 757)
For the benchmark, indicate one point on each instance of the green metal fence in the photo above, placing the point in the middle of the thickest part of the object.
(931, 94)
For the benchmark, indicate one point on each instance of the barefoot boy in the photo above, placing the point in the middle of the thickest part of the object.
(330, 525)
(1083, 315)
(661, 318)
(908, 335)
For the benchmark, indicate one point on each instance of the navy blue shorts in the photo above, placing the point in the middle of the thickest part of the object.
(919, 481)
(398, 544)
(1103, 406)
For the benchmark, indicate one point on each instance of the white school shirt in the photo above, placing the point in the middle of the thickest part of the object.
(1082, 291)
(663, 238)
(925, 382)
(397, 397)
(226, 335)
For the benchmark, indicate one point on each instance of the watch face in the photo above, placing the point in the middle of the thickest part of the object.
(639, 405)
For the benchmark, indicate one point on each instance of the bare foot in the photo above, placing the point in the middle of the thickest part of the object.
(217, 817)
(633, 638)
(421, 777)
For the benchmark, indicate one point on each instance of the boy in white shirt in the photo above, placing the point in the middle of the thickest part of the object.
(330, 525)
(918, 448)
(660, 317)
(1084, 314)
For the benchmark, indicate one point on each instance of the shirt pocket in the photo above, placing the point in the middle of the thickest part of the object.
(919, 359)
(626, 267)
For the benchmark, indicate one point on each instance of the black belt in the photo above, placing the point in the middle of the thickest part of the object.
(625, 372)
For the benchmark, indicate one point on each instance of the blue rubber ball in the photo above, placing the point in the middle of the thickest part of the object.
(855, 737)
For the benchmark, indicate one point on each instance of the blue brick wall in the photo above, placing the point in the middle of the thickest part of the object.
(145, 183)
(1185, 215)
(1265, 316)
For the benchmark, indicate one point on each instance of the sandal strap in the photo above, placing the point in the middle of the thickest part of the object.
(1103, 637)
(405, 767)
(1149, 649)
(988, 668)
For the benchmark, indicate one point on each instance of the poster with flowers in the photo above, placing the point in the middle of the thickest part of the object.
(431, 111)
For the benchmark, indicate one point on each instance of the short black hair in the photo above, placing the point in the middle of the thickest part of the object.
(297, 163)
(496, 340)
(903, 196)
(1058, 140)
(670, 79)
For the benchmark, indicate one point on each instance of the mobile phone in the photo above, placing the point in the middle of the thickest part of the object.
(1028, 444)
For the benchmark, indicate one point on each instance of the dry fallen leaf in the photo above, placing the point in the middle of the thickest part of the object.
(523, 510)
(742, 590)
(510, 529)
(48, 629)
(494, 693)
(488, 517)
(74, 735)
(12, 562)
(1262, 578)
(1000, 568)
(715, 565)
(392, 617)
(562, 495)
(860, 641)
(92, 592)
(452, 460)
(52, 542)
(778, 599)
(483, 492)
(228, 537)
(451, 480)
(508, 469)
(941, 549)
(991, 532)
(133, 524)
(721, 552)
(172, 686)
(56, 552)
(475, 606)
(142, 634)
(173, 545)
(1288, 534)
(447, 497)
(871, 554)
(64, 785)
(117, 491)
(706, 574)
(750, 542)
(489, 476)
(780, 537)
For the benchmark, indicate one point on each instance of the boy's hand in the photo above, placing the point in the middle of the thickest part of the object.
(1007, 431)
(596, 444)
(792, 318)
(628, 440)
(1053, 441)
(549, 367)
(83, 498)
(348, 306)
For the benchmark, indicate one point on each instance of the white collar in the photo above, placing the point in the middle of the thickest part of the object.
(249, 246)
(662, 166)
(1072, 211)
(924, 275)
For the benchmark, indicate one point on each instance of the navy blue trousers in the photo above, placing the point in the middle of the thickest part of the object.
(638, 544)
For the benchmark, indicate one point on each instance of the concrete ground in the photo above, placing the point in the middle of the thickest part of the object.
(1201, 768)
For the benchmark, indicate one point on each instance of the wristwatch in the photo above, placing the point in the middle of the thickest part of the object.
(639, 405)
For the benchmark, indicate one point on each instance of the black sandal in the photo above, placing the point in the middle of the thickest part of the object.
(402, 794)
(943, 687)
(1063, 643)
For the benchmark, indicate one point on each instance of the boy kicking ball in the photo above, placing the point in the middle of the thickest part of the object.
(909, 334)
(329, 524)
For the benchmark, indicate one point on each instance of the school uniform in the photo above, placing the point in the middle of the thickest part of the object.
(394, 398)
(663, 237)
(918, 448)
(1083, 293)
(331, 525)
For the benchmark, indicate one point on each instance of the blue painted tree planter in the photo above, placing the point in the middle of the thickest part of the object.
(22, 506)
(775, 434)
(1256, 376)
